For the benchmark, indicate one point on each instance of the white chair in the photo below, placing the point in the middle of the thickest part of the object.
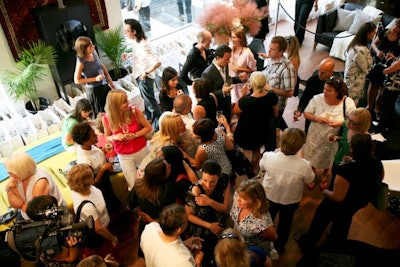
(52, 120)
(73, 100)
(25, 128)
(14, 137)
(61, 104)
(39, 124)
(6, 147)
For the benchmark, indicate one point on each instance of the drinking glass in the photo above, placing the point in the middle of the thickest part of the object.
(219, 114)
(296, 115)
(228, 81)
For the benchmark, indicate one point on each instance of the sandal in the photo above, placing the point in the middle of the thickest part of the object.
(311, 185)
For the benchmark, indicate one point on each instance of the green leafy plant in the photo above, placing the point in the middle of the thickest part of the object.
(31, 68)
(112, 42)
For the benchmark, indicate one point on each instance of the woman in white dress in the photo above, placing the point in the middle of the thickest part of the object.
(326, 113)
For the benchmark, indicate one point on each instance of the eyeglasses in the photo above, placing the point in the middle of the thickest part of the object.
(288, 38)
(230, 236)
(350, 121)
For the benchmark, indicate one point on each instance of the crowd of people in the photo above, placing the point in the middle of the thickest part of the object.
(181, 182)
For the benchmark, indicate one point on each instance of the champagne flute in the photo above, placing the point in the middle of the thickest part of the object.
(228, 81)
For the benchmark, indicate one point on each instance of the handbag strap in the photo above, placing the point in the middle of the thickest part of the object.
(344, 107)
(78, 212)
(134, 110)
(215, 99)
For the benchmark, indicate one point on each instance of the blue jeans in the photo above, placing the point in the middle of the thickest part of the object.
(144, 19)
(302, 11)
(152, 109)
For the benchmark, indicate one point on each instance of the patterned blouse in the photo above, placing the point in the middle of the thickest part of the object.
(216, 151)
(251, 227)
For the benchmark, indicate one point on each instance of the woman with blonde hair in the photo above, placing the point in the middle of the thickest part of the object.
(242, 60)
(26, 182)
(125, 126)
(257, 110)
(231, 251)
(80, 181)
(293, 55)
(250, 215)
(90, 71)
(171, 126)
(358, 122)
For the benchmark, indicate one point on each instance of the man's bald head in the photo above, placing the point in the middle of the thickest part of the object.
(204, 37)
(326, 68)
(182, 104)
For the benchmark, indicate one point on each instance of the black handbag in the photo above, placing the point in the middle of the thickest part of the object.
(240, 164)
(376, 75)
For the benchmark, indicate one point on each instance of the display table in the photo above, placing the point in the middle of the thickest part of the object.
(392, 174)
(54, 159)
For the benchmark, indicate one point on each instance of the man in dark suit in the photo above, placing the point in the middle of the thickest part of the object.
(217, 73)
(315, 84)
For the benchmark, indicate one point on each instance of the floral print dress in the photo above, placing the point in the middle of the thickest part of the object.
(251, 227)
(358, 64)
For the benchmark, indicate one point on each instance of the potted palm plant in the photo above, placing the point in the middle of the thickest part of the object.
(112, 42)
(31, 68)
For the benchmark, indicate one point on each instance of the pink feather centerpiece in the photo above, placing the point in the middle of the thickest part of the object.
(221, 17)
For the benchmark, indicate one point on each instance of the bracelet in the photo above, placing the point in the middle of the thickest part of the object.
(229, 134)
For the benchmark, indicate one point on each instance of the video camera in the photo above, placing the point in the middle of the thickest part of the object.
(45, 238)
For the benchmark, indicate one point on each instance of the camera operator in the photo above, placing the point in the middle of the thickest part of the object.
(38, 210)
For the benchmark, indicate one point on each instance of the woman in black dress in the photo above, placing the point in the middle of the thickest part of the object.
(257, 111)
(170, 89)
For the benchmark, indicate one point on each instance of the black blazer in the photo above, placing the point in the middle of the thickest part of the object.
(212, 74)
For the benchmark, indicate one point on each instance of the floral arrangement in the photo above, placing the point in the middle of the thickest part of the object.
(222, 17)
(248, 15)
(218, 18)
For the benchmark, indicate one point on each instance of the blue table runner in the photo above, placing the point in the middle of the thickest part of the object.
(39, 153)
